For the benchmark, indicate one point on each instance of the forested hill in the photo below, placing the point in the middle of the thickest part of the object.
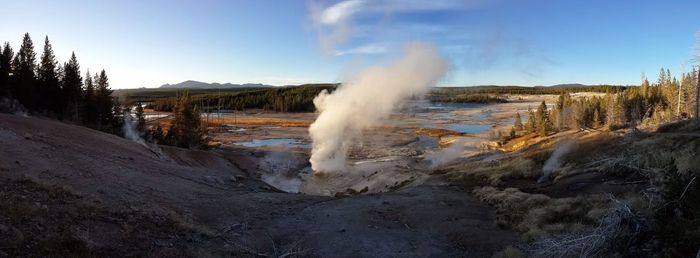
(190, 84)
(281, 99)
(514, 89)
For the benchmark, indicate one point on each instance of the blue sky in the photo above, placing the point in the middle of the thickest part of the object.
(536, 42)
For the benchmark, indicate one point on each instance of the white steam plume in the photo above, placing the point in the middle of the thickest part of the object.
(446, 156)
(131, 133)
(555, 160)
(367, 98)
(129, 129)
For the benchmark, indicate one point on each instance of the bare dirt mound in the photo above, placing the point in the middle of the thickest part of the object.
(108, 193)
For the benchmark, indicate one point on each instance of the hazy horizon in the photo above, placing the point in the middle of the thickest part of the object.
(148, 44)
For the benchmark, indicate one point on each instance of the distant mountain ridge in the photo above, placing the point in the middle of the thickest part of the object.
(190, 84)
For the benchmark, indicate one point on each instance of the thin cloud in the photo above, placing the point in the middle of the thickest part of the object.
(334, 24)
(339, 12)
(363, 50)
(478, 53)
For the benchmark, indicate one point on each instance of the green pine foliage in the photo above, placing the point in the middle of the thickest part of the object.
(48, 86)
(140, 118)
(186, 130)
(72, 86)
(24, 67)
(283, 99)
(5, 70)
(518, 124)
(56, 90)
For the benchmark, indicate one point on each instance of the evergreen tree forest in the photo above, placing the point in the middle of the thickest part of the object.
(49, 88)
(665, 100)
(282, 99)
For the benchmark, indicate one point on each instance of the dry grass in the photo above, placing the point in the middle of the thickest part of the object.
(509, 252)
(494, 173)
(48, 221)
(537, 216)
(657, 214)
(437, 132)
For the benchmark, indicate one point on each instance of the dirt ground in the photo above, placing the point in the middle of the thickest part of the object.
(185, 203)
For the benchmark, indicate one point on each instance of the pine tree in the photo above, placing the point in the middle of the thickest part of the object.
(103, 101)
(89, 108)
(562, 111)
(531, 120)
(72, 84)
(186, 129)
(518, 125)
(140, 118)
(645, 87)
(542, 119)
(49, 89)
(5, 70)
(662, 77)
(25, 76)
(157, 134)
(116, 120)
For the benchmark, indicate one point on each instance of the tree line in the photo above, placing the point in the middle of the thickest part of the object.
(536, 90)
(282, 99)
(55, 89)
(666, 100)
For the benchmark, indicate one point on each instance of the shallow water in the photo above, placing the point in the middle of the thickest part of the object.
(468, 128)
(287, 142)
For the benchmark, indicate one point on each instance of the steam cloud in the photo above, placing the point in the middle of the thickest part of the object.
(366, 99)
(130, 132)
(555, 161)
(446, 156)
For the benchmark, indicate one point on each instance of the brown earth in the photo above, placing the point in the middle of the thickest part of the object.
(71, 191)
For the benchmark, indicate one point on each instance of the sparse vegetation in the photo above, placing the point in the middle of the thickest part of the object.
(654, 205)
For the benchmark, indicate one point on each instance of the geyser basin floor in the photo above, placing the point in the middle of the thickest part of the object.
(285, 142)
(383, 157)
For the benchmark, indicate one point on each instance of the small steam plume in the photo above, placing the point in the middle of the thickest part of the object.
(280, 169)
(131, 133)
(446, 156)
(366, 99)
(555, 160)
(129, 130)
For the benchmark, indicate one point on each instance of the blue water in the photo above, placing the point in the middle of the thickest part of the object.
(288, 142)
(468, 128)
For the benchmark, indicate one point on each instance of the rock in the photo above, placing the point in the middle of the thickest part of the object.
(10, 236)
(213, 179)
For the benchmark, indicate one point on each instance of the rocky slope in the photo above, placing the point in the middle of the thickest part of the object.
(73, 191)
